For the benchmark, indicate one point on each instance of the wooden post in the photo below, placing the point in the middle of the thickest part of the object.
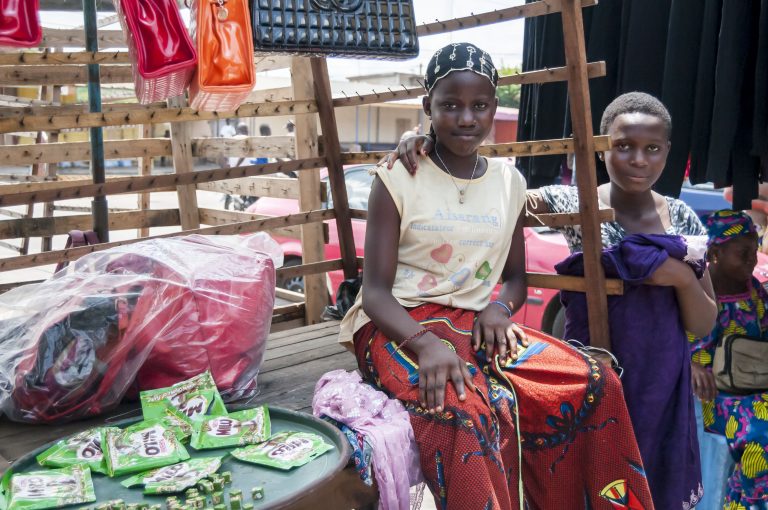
(38, 169)
(581, 119)
(181, 144)
(312, 241)
(332, 148)
(145, 168)
(53, 137)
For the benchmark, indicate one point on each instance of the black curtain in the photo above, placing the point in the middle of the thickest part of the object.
(707, 60)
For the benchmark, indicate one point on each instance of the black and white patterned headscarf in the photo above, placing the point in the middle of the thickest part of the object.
(459, 57)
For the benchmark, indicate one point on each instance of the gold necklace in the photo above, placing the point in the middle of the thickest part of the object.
(462, 192)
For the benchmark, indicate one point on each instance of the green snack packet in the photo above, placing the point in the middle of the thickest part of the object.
(175, 478)
(196, 398)
(141, 447)
(54, 488)
(179, 422)
(83, 448)
(249, 426)
(285, 450)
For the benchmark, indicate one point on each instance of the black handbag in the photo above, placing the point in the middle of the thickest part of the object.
(382, 29)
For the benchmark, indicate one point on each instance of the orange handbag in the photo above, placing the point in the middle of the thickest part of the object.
(223, 37)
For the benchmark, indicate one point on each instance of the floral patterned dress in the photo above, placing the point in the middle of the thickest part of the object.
(742, 419)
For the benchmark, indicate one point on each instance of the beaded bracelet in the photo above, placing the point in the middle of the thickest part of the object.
(414, 336)
(504, 306)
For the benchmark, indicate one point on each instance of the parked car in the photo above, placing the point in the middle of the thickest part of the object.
(544, 248)
(703, 198)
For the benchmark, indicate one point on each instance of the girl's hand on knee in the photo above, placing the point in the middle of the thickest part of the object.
(501, 336)
(437, 365)
(408, 151)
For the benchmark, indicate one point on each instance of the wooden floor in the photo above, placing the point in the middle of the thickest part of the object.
(294, 361)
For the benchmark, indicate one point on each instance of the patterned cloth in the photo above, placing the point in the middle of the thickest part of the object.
(737, 314)
(578, 448)
(383, 424)
(726, 224)
(742, 419)
(565, 199)
(459, 57)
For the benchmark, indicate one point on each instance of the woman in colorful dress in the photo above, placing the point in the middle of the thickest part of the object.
(741, 419)
(639, 126)
(504, 417)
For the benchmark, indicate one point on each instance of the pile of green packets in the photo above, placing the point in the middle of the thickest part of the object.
(153, 453)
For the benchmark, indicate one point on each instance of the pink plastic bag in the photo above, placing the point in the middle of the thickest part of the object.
(137, 317)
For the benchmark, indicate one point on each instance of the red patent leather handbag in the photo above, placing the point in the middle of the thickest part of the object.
(20, 23)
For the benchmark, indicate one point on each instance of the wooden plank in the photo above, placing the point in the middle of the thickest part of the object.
(59, 225)
(46, 244)
(12, 214)
(144, 199)
(288, 309)
(75, 38)
(181, 144)
(275, 187)
(269, 95)
(612, 287)
(532, 9)
(595, 70)
(19, 76)
(136, 115)
(585, 147)
(222, 217)
(47, 191)
(311, 331)
(81, 151)
(262, 146)
(46, 57)
(531, 220)
(15, 101)
(306, 146)
(87, 209)
(332, 147)
(268, 224)
(499, 150)
(271, 147)
(38, 169)
(77, 108)
(310, 268)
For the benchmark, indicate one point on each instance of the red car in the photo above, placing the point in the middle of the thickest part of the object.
(544, 248)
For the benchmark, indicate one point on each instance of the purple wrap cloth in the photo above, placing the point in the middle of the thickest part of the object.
(649, 340)
(386, 426)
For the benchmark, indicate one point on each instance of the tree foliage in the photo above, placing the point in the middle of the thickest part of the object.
(509, 95)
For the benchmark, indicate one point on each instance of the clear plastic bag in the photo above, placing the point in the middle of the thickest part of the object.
(137, 317)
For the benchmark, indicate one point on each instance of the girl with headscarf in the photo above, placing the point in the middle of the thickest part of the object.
(504, 417)
(741, 421)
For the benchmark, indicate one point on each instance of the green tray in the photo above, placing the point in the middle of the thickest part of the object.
(280, 487)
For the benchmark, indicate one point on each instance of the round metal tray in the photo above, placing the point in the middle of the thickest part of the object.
(280, 487)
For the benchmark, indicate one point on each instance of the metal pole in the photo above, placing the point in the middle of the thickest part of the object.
(99, 209)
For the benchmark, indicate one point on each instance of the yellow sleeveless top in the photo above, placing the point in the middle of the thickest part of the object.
(449, 253)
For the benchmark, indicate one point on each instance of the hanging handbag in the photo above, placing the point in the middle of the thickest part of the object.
(20, 23)
(741, 364)
(163, 58)
(225, 75)
(384, 29)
